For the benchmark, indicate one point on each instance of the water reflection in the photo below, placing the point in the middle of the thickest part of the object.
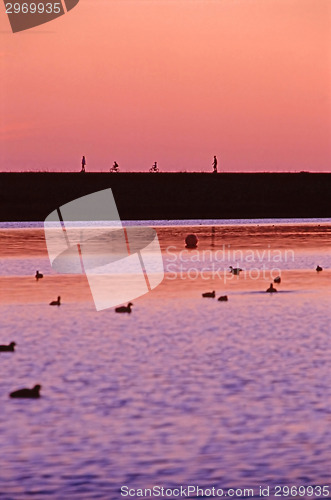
(184, 390)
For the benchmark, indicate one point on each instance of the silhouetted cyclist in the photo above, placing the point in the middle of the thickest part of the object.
(115, 167)
(154, 168)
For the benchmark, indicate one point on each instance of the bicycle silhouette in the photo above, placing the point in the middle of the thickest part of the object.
(154, 168)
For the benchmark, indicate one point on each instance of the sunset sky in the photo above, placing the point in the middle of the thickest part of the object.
(172, 81)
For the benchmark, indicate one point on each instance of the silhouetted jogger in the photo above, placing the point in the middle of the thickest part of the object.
(83, 165)
(215, 165)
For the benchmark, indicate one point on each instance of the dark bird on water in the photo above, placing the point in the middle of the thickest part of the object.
(56, 302)
(223, 298)
(209, 294)
(319, 268)
(27, 393)
(277, 279)
(124, 309)
(8, 348)
(235, 270)
(38, 275)
(271, 289)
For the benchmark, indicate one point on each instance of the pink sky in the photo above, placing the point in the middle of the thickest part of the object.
(173, 81)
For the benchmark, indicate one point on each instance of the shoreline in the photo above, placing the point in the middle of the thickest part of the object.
(31, 196)
(9, 225)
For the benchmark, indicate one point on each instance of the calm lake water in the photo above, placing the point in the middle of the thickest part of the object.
(185, 390)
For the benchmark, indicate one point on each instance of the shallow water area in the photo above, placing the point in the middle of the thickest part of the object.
(185, 390)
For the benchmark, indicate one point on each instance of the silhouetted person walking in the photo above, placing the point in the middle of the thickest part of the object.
(83, 165)
(215, 165)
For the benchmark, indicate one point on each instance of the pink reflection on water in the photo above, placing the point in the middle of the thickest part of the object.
(184, 389)
(263, 252)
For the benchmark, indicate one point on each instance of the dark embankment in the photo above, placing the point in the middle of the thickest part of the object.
(32, 196)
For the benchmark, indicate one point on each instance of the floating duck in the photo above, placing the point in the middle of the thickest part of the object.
(124, 309)
(209, 294)
(56, 302)
(319, 268)
(235, 270)
(277, 279)
(223, 298)
(8, 348)
(38, 275)
(27, 393)
(271, 289)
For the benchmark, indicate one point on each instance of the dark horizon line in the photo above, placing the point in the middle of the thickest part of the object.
(240, 172)
(172, 195)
